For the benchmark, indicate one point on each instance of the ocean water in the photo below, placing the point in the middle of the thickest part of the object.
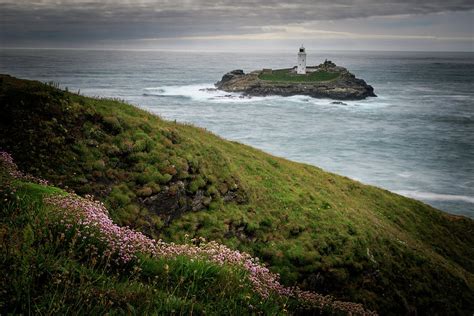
(416, 138)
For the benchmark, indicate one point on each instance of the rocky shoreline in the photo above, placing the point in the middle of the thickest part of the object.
(344, 87)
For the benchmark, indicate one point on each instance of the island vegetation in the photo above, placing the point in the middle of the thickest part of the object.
(286, 75)
(176, 182)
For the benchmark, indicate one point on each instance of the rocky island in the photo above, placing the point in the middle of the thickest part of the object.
(323, 81)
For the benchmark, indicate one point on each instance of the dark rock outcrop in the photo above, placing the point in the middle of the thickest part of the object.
(345, 87)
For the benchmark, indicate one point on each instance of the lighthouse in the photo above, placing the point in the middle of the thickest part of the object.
(301, 68)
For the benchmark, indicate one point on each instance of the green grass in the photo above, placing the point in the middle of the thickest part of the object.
(319, 230)
(284, 75)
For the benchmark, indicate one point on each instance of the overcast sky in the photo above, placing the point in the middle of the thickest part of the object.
(239, 25)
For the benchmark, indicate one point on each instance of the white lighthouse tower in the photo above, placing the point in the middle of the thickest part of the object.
(301, 68)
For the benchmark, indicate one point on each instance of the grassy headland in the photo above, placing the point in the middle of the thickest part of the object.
(322, 231)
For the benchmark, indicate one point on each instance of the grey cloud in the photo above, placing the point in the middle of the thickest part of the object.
(60, 20)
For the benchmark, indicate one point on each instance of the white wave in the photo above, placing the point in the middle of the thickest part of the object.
(201, 93)
(430, 196)
(208, 93)
(404, 174)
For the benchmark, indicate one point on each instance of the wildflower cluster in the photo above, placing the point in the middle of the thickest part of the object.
(92, 216)
(7, 163)
(123, 244)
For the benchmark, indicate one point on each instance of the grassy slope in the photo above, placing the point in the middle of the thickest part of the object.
(46, 271)
(323, 231)
(284, 75)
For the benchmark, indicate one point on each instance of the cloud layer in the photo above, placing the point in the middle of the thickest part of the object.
(85, 22)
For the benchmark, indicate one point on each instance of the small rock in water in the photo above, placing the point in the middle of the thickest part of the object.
(225, 96)
(208, 89)
(338, 102)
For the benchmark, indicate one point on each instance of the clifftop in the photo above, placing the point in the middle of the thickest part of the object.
(323, 81)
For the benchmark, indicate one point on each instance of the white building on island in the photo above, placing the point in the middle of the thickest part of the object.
(301, 68)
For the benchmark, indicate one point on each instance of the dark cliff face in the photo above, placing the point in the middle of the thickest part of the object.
(345, 87)
(231, 75)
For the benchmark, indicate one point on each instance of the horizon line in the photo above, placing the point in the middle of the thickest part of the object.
(260, 51)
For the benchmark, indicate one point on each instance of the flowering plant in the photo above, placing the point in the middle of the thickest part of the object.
(122, 245)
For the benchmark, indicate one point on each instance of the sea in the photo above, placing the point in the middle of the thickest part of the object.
(416, 138)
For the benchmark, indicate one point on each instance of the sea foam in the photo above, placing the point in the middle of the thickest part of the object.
(430, 196)
(208, 93)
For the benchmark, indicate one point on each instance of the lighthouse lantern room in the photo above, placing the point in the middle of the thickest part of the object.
(301, 68)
